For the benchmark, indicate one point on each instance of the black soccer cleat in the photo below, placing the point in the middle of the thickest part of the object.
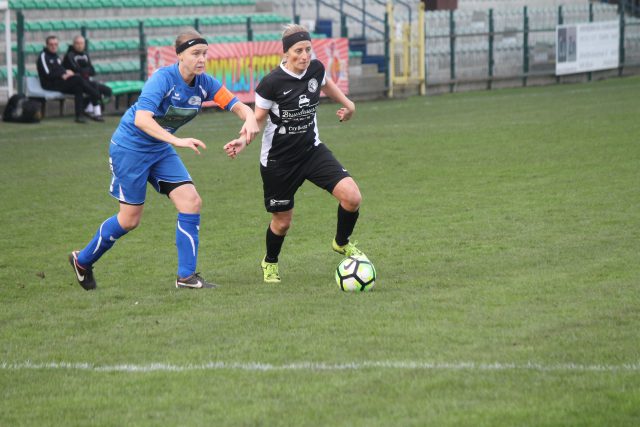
(195, 281)
(83, 275)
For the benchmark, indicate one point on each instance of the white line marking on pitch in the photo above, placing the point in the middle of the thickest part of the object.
(314, 366)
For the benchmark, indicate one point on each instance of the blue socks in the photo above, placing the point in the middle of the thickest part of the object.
(105, 237)
(187, 229)
(187, 240)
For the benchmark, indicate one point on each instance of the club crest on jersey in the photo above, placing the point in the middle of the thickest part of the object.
(303, 101)
(195, 100)
(313, 85)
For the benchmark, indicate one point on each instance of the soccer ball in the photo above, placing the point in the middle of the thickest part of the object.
(356, 273)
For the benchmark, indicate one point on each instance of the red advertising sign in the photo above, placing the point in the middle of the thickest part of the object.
(241, 66)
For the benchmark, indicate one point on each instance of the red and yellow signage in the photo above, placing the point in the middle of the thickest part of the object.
(241, 66)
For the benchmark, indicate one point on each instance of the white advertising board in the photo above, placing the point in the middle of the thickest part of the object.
(587, 47)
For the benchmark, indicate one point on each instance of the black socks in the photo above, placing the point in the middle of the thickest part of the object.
(346, 223)
(274, 244)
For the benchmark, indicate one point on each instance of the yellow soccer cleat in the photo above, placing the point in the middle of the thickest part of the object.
(270, 272)
(348, 250)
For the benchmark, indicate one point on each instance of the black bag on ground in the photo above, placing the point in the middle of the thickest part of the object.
(20, 109)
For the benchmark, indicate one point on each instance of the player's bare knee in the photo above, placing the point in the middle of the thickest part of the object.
(196, 202)
(281, 227)
(129, 222)
(352, 200)
(188, 203)
(280, 224)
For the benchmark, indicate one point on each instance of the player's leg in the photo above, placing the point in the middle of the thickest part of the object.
(326, 172)
(105, 237)
(170, 177)
(280, 186)
(109, 232)
(276, 232)
(129, 171)
(349, 198)
(188, 202)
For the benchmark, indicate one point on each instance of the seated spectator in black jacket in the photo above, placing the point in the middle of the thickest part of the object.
(77, 60)
(53, 76)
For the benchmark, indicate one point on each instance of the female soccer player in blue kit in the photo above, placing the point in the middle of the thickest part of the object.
(142, 150)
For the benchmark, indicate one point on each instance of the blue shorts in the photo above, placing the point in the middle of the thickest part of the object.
(131, 170)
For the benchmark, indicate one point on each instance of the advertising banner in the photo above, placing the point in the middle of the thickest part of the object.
(241, 66)
(587, 47)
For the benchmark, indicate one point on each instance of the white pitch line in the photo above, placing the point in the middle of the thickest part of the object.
(315, 366)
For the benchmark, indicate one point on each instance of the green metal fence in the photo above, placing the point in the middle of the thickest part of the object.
(476, 44)
(137, 47)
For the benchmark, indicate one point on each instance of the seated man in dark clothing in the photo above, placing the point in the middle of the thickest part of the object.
(77, 60)
(53, 76)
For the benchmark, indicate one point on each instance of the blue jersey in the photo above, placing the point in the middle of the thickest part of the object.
(173, 104)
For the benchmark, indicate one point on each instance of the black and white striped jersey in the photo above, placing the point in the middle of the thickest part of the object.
(292, 101)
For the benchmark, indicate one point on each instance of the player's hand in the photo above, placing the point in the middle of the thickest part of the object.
(250, 129)
(233, 148)
(67, 74)
(345, 113)
(192, 143)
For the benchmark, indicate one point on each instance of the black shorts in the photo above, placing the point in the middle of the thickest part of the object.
(280, 182)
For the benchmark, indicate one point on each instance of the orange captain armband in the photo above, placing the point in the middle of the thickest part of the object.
(223, 97)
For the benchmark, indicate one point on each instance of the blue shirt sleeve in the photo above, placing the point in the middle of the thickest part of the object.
(154, 91)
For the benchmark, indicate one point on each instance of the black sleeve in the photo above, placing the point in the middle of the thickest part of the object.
(49, 72)
(321, 69)
(69, 63)
(40, 67)
(319, 64)
(265, 89)
(89, 68)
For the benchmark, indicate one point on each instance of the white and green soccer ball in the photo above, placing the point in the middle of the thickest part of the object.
(356, 274)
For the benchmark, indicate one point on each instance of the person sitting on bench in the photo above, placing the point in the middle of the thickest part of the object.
(77, 60)
(53, 76)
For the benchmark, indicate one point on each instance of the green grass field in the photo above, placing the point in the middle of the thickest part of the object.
(504, 225)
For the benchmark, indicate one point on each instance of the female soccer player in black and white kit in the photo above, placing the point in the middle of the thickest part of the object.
(287, 99)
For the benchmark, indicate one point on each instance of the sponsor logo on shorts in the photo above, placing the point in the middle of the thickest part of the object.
(274, 202)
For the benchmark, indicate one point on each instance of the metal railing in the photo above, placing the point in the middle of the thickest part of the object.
(525, 34)
(141, 53)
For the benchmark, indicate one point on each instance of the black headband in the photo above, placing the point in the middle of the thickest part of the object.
(291, 39)
(186, 45)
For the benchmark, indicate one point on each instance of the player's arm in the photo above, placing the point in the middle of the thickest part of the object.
(145, 122)
(233, 148)
(348, 107)
(250, 127)
(261, 116)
